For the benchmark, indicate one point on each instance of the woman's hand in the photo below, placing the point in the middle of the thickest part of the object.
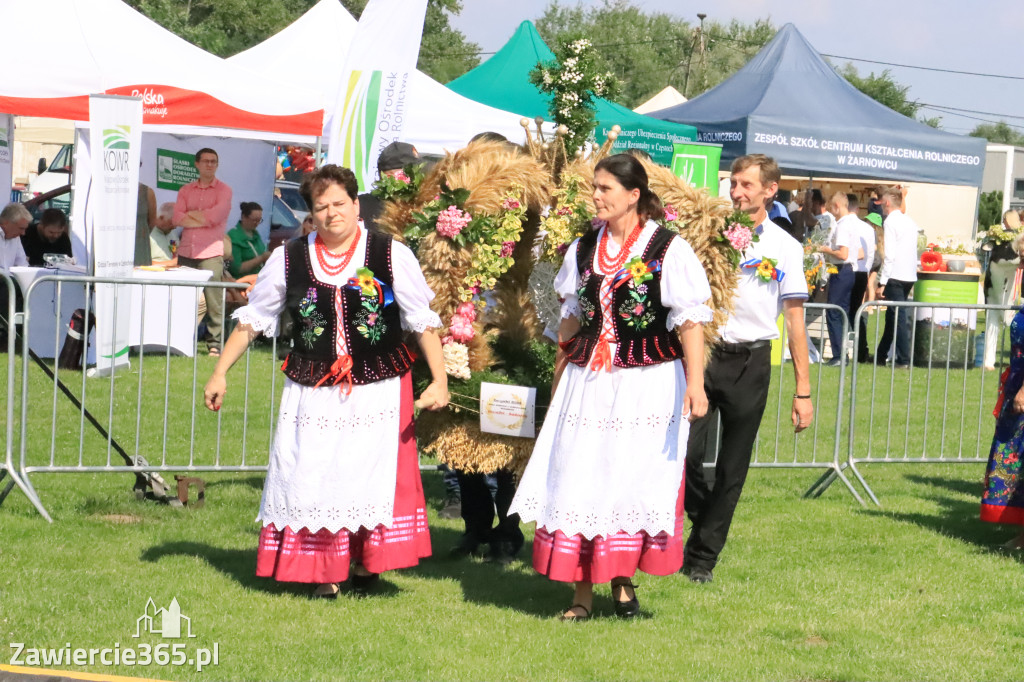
(435, 397)
(214, 392)
(695, 402)
(1018, 401)
(250, 280)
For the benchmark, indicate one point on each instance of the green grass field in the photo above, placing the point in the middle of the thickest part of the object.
(806, 590)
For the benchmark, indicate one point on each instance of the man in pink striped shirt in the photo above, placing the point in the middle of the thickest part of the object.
(202, 211)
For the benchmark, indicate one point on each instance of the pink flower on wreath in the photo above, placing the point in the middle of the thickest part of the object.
(561, 249)
(467, 310)
(461, 329)
(739, 236)
(447, 340)
(564, 210)
(400, 175)
(510, 204)
(507, 248)
(670, 213)
(451, 221)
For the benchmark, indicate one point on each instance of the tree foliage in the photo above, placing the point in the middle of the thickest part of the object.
(990, 209)
(884, 89)
(227, 27)
(648, 51)
(1000, 133)
(223, 27)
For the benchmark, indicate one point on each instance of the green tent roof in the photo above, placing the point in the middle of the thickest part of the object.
(503, 82)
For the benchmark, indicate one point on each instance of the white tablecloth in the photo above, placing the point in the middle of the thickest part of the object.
(149, 330)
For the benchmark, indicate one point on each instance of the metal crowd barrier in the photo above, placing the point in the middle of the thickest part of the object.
(817, 447)
(7, 467)
(155, 418)
(941, 386)
(136, 419)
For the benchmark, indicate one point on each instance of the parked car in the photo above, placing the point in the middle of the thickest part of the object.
(55, 198)
(290, 195)
(283, 224)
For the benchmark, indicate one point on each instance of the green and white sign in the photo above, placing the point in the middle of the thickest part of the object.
(174, 169)
(698, 164)
(115, 138)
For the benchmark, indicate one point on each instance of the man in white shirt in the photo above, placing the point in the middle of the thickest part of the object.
(737, 378)
(898, 275)
(842, 250)
(14, 221)
(861, 269)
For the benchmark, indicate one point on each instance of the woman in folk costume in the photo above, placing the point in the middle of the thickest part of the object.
(604, 481)
(343, 486)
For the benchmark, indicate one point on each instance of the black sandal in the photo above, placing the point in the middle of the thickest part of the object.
(565, 617)
(626, 609)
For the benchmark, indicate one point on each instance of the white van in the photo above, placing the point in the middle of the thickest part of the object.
(57, 174)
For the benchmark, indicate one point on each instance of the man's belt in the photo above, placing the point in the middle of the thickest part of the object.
(743, 346)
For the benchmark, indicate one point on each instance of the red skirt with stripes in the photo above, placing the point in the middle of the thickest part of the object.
(576, 559)
(325, 557)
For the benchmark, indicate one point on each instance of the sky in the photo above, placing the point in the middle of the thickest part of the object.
(986, 36)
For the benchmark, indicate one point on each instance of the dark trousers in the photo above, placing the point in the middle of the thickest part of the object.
(896, 290)
(736, 382)
(479, 507)
(840, 286)
(860, 287)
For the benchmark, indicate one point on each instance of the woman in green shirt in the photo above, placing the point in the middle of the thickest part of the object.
(248, 252)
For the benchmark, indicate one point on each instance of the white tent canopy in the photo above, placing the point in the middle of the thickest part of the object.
(312, 52)
(105, 46)
(669, 97)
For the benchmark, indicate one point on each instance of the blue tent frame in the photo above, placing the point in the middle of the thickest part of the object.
(790, 104)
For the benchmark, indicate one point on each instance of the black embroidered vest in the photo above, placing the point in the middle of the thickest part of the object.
(373, 329)
(640, 318)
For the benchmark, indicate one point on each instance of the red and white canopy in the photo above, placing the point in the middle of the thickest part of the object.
(104, 46)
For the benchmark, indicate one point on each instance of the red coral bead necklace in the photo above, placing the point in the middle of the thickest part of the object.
(325, 256)
(611, 265)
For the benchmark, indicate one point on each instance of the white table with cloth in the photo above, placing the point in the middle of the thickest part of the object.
(161, 316)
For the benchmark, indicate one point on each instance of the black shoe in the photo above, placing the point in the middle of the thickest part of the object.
(866, 359)
(452, 509)
(626, 609)
(902, 365)
(465, 548)
(699, 574)
(503, 552)
(361, 584)
(834, 362)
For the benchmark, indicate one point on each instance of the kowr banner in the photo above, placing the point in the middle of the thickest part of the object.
(115, 132)
(373, 100)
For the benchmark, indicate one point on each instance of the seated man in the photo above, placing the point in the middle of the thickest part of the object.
(163, 248)
(14, 220)
(161, 243)
(50, 235)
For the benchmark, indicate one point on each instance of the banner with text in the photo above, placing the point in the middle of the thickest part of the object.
(373, 100)
(824, 151)
(115, 129)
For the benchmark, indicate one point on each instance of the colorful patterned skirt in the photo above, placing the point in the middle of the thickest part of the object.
(320, 556)
(1003, 499)
(575, 559)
